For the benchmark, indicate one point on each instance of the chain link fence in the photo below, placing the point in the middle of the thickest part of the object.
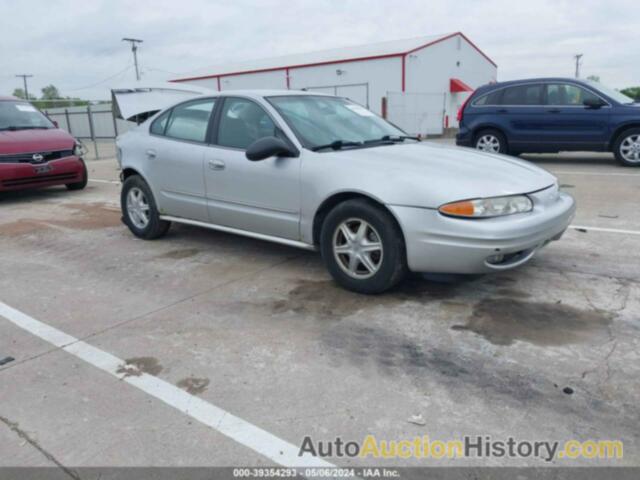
(94, 125)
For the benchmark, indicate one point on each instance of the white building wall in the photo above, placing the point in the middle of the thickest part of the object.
(381, 76)
(429, 71)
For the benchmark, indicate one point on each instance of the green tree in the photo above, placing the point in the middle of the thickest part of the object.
(594, 78)
(50, 92)
(633, 92)
(19, 93)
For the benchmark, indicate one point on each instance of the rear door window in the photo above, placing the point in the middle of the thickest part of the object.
(159, 124)
(530, 94)
(189, 121)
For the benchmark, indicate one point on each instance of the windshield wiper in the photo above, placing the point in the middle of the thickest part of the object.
(23, 127)
(394, 139)
(337, 145)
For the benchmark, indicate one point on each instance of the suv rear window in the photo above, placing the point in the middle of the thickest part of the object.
(492, 98)
(523, 95)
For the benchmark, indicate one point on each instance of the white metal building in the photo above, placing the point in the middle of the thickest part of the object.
(417, 83)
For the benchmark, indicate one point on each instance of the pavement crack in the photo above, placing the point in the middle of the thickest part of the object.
(15, 427)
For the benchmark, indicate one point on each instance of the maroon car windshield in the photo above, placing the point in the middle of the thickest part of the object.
(17, 115)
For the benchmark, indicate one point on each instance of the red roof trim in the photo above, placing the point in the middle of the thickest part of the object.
(333, 62)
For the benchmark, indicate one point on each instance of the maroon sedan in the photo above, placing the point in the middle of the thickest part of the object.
(34, 152)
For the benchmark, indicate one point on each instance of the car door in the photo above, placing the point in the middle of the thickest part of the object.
(262, 196)
(573, 125)
(178, 143)
(523, 112)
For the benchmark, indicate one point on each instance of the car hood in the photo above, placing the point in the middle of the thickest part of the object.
(27, 141)
(429, 174)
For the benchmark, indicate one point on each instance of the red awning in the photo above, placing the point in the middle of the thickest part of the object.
(456, 85)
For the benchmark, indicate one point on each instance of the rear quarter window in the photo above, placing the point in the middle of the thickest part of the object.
(489, 99)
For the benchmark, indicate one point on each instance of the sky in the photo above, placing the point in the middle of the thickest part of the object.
(76, 44)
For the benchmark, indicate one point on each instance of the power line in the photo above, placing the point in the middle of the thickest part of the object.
(101, 81)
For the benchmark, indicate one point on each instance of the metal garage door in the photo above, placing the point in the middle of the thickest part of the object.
(417, 113)
(358, 93)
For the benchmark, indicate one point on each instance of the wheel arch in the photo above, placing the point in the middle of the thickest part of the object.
(489, 126)
(337, 198)
(619, 131)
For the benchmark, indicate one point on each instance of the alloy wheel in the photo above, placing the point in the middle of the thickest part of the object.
(138, 208)
(488, 143)
(630, 148)
(357, 248)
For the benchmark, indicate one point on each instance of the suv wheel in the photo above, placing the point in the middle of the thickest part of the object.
(363, 247)
(627, 148)
(83, 182)
(139, 210)
(491, 141)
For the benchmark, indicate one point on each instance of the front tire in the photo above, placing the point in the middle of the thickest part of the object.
(83, 182)
(363, 247)
(626, 148)
(491, 141)
(139, 211)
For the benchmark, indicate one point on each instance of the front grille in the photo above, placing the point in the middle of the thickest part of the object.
(28, 157)
(39, 179)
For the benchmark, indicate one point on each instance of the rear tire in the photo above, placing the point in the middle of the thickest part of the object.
(139, 211)
(363, 247)
(82, 183)
(490, 141)
(626, 148)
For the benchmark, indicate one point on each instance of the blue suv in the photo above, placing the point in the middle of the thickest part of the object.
(549, 115)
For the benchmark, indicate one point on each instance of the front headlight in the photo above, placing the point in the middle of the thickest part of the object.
(488, 207)
(79, 149)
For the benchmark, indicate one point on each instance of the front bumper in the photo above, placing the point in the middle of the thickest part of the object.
(18, 176)
(437, 243)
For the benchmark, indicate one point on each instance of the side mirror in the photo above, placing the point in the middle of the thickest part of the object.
(269, 147)
(593, 103)
(55, 123)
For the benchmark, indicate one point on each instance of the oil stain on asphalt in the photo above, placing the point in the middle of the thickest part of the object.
(179, 254)
(194, 385)
(134, 367)
(502, 321)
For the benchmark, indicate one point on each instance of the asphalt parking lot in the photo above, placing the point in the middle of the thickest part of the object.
(266, 349)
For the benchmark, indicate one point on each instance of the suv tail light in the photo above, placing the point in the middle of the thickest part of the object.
(461, 109)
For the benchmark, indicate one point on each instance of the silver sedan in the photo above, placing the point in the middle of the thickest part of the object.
(323, 173)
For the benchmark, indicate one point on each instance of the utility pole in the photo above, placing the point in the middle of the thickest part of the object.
(134, 48)
(24, 80)
(578, 58)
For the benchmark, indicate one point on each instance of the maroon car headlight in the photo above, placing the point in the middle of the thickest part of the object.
(79, 149)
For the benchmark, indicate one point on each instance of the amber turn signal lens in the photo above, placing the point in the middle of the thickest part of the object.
(460, 209)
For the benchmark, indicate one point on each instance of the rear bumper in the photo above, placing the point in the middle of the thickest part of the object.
(437, 243)
(464, 137)
(18, 176)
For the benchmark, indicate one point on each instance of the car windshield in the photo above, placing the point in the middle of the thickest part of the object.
(610, 92)
(331, 122)
(16, 115)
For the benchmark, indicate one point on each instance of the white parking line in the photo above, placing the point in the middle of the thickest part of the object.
(608, 230)
(596, 174)
(243, 432)
(98, 180)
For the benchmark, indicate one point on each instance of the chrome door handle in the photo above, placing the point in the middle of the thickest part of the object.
(216, 165)
(151, 153)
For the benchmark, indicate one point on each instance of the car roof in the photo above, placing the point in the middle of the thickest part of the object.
(268, 93)
(534, 80)
(9, 98)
